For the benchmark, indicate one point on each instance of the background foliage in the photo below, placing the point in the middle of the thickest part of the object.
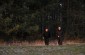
(20, 19)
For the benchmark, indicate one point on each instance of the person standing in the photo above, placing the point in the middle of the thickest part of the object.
(59, 36)
(46, 35)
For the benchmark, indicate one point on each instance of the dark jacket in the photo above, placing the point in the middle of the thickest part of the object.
(46, 34)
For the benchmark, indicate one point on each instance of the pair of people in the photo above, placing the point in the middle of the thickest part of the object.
(47, 36)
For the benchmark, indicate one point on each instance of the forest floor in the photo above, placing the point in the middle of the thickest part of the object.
(66, 49)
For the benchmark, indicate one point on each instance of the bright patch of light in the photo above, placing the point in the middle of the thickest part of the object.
(59, 28)
(60, 4)
(58, 36)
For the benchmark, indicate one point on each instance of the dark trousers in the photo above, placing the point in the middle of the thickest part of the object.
(60, 40)
(46, 40)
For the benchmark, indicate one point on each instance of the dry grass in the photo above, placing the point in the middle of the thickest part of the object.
(41, 43)
(78, 49)
(69, 47)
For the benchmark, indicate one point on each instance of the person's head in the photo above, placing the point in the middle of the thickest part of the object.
(59, 28)
(46, 30)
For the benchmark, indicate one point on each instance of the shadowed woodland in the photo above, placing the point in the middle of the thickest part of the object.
(25, 20)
